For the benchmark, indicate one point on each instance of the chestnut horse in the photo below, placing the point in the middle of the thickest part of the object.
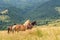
(20, 27)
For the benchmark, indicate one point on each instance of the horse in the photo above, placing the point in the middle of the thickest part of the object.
(27, 24)
(17, 27)
(22, 27)
(30, 26)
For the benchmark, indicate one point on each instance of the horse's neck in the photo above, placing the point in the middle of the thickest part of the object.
(26, 23)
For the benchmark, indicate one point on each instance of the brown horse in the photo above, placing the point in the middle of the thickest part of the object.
(20, 27)
(30, 26)
(17, 27)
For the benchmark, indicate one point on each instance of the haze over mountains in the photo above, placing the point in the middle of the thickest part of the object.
(21, 10)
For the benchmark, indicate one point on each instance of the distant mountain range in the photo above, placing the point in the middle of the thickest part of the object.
(21, 10)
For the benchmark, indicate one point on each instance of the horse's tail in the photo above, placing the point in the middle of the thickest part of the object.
(8, 30)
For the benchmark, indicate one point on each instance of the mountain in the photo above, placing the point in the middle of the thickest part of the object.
(19, 11)
(23, 3)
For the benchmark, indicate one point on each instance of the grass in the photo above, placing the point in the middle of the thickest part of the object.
(45, 32)
(38, 33)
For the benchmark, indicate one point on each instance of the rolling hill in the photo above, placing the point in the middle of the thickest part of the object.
(41, 11)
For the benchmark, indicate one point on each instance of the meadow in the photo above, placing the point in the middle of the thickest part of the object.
(37, 33)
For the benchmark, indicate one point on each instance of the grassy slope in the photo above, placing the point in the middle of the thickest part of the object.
(39, 33)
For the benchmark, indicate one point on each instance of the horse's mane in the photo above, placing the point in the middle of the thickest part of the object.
(27, 22)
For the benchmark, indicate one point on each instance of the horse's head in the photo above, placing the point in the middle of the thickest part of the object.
(34, 23)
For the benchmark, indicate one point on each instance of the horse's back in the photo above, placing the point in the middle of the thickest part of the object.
(19, 27)
(13, 26)
(23, 28)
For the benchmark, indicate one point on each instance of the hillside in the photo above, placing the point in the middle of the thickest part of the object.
(38, 33)
(41, 11)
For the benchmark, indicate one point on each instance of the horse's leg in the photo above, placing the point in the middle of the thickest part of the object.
(8, 30)
(17, 30)
(12, 30)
